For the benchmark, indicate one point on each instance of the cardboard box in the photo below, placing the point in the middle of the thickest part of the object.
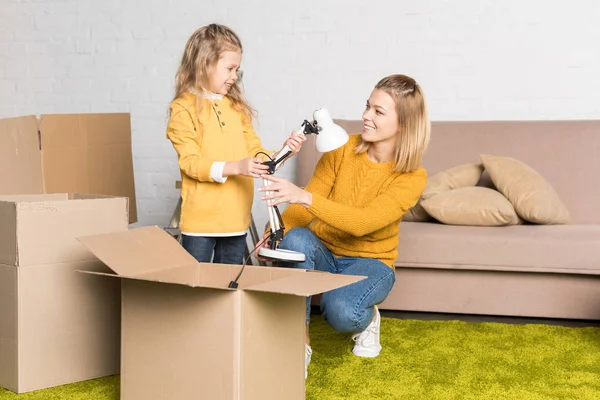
(68, 153)
(185, 335)
(56, 326)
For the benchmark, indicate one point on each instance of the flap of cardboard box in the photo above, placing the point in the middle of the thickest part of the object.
(88, 153)
(138, 251)
(20, 156)
(68, 153)
(151, 254)
(30, 198)
(307, 284)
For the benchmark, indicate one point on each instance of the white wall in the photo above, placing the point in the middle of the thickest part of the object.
(476, 60)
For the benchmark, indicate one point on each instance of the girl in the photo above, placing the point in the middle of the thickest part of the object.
(347, 220)
(210, 127)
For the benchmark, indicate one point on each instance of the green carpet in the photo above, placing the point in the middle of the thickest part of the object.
(431, 360)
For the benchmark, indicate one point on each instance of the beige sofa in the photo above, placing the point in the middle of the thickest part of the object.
(550, 271)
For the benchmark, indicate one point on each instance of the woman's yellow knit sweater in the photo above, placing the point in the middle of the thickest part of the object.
(357, 204)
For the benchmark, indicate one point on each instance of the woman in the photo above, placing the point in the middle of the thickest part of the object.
(347, 219)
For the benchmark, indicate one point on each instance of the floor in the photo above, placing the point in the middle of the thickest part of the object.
(423, 316)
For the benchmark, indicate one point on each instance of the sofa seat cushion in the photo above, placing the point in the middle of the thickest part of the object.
(527, 248)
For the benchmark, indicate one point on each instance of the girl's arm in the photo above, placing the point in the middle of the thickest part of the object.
(183, 135)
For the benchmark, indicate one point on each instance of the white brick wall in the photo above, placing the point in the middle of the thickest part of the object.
(515, 59)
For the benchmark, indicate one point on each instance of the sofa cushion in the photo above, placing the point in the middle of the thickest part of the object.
(463, 175)
(534, 199)
(476, 206)
(533, 248)
(453, 178)
(417, 214)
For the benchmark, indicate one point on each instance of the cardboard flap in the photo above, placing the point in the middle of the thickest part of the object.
(307, 284)
(28, 198)
(138, 251)
(89, 154)
(20, 158)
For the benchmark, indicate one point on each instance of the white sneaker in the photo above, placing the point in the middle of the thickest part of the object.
(307, 355)
(367, 342)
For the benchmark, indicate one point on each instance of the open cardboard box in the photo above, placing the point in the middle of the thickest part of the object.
(68, 153)
(186, 335)
(56, 326)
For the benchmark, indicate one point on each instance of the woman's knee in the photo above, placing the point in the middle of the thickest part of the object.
(340, 315)
(299, 239)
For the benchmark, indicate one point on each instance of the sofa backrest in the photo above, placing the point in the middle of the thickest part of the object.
(565, 153)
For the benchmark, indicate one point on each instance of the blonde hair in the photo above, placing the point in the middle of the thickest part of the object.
(413, 122)
(202, 52)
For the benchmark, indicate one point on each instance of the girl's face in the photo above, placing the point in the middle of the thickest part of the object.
(225, 73)
(380, 118)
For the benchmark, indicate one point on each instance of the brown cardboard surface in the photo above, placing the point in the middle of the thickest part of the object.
(138, 251)
(8, 233)
(69, 325)
(149, 253)
(83, 153)
(47, 331)
(219, 275)
(56, 326)
(184, 343)
(47, 229)
(178, 342)
(17, 198)
(185, 335)
(8, 327)
(20, 156)
(188, 275)
(306, 284)
(88, 153)
(272, 322)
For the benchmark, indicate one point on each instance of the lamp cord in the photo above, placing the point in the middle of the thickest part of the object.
(262, 152)
(234, 284)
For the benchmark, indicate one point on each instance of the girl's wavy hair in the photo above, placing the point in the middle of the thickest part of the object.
(413, 122)
(202, 52)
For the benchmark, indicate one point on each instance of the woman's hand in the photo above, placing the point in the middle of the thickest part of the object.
(283, 191)
(251, 166)
(294, 142)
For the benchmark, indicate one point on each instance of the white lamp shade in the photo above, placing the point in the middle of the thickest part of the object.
(331, 136)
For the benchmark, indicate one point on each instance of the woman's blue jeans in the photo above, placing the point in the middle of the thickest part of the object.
(349, 308)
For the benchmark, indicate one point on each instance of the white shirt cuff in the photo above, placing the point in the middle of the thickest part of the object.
(216, 171)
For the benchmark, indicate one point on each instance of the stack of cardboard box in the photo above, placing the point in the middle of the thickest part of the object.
(61, 176)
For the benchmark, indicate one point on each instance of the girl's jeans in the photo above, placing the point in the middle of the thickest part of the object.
(349, 308)
(227, 250)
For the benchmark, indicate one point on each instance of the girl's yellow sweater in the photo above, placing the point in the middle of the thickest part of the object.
(219, 133)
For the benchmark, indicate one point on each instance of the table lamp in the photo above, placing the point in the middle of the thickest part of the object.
(329, 136)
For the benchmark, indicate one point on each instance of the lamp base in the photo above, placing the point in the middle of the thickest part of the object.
(282, 255)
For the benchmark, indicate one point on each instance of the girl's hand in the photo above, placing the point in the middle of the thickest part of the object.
(251, 166)
(283, 191)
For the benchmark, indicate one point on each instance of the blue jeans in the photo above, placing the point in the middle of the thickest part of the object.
(226, 249)
(349, 308)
